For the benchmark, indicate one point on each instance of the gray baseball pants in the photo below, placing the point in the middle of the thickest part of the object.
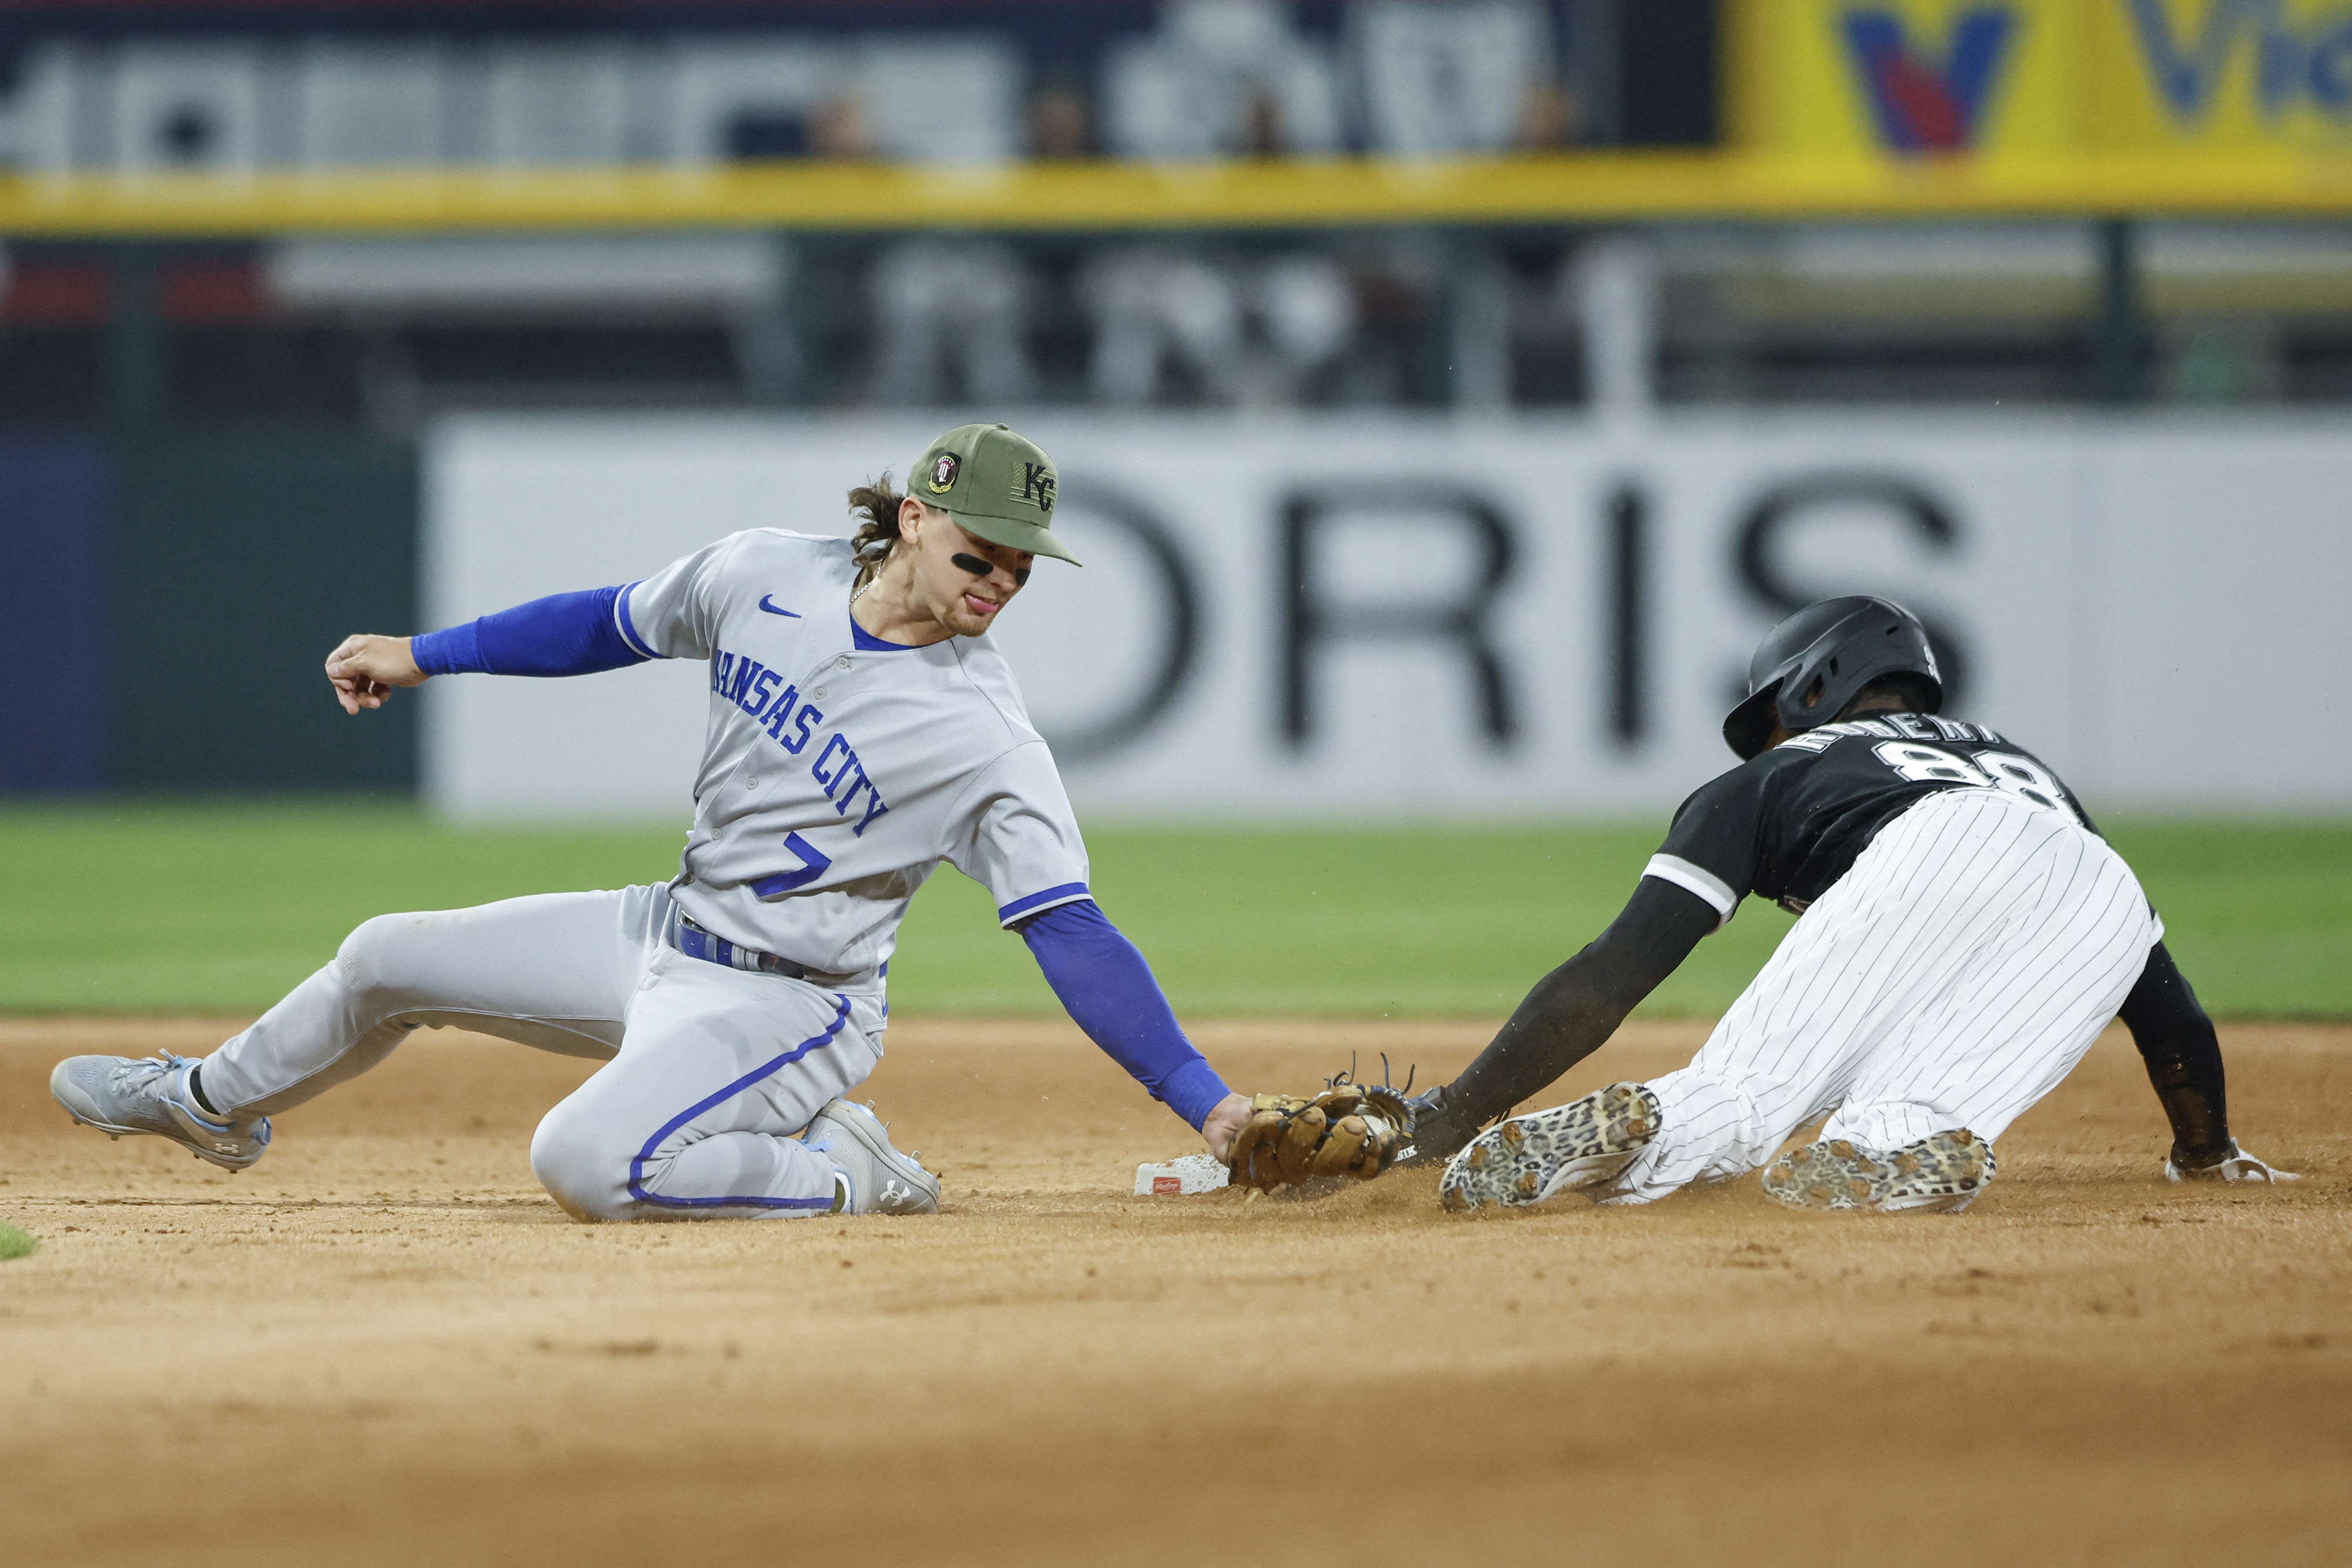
(709, 1071)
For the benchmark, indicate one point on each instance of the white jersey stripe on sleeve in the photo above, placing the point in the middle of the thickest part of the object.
(627, 628)
(1068, 893)
(1698, 879)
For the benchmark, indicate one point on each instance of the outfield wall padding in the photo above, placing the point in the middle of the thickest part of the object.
(1297, 617)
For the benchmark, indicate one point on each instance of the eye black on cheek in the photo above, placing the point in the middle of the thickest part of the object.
(1020, 577)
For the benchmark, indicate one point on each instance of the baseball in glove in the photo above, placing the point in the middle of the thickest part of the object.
(1349, 1129)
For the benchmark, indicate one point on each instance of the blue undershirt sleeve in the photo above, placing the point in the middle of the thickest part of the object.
(562, 635)
(1107, 988)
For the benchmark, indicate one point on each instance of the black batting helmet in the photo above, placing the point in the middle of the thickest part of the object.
(1811, 664)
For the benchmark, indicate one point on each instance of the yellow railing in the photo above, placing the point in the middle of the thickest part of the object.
(1562, 188)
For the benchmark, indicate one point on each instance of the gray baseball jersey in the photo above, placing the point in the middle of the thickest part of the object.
(837, 770)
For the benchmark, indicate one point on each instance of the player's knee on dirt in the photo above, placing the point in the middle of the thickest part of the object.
(576, 1161)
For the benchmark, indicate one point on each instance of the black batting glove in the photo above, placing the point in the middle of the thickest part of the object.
(1438, 1133)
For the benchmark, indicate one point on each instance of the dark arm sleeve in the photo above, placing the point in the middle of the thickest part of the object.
(2184, 1059)
(1574, 1009)
(562, 635)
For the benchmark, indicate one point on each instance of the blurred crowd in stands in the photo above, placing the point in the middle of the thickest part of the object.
(1186, 79)
(383, 334)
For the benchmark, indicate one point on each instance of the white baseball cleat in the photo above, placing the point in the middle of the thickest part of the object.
(1565, 1149)
(875, 1178)
(2235, 1166)
(120, 1095)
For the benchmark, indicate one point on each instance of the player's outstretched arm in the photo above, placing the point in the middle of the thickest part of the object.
(365, 668)
(1571, 1012)
(2183, 1055)
(1102, 980)
(562, 635)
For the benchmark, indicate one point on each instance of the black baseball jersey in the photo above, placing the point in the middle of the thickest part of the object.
(1788, 823)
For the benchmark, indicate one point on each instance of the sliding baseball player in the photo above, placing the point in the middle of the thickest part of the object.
(862, 729)
(1965, 935)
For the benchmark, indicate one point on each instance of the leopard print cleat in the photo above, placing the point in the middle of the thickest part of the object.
(1531, 1158)
(1941, 1174)
(1832, 1175)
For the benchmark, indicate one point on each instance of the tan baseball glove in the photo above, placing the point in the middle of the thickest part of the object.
(1348, 1130)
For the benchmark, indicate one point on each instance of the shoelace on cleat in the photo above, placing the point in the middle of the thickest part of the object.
(136, 1075)
(168, 1063)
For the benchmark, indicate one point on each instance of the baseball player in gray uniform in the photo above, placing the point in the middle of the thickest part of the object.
(1964, 934)
(863, 729)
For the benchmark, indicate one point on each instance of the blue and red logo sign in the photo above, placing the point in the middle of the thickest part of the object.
(1923, 103)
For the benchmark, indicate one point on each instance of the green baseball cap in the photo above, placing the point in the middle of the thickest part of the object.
(999, 485)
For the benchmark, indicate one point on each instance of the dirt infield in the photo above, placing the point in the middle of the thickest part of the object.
(384, 1345)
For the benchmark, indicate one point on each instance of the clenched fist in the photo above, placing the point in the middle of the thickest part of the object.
(363, 669)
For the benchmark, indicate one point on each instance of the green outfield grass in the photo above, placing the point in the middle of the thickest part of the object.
(139, 908)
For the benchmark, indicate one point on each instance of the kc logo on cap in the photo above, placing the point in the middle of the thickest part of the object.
(1037, 486)
(1000, 486)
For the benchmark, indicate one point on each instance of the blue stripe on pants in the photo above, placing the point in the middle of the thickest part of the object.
(637, 1164)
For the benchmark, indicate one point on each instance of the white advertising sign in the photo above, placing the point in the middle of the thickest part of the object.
(1404, 618)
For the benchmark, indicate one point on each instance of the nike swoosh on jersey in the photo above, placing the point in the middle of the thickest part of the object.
(777, 610)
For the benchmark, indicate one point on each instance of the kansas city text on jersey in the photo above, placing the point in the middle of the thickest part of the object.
(792, 724)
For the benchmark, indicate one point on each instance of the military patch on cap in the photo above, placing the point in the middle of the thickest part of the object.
(943, 474)
(1033, 482)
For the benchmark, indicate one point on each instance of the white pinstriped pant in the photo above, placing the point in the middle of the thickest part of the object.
(1950, 979)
